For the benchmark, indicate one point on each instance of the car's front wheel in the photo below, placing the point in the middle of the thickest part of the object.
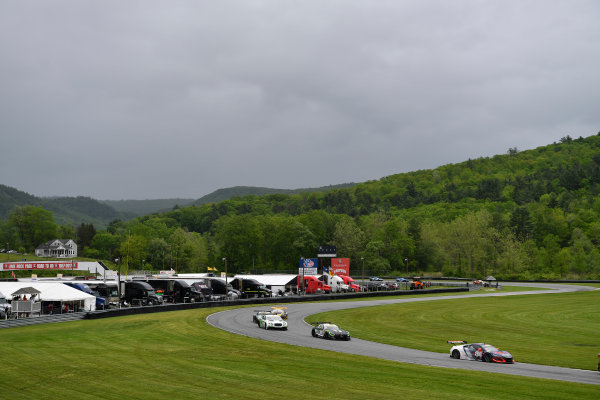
(455, 354)
(314, 333)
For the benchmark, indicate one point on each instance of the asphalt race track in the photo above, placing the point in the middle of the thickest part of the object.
(239, 321)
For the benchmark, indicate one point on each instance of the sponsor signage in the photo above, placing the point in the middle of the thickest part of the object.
(308, 266)
(39, 265)
(340, 266)
(327, 251)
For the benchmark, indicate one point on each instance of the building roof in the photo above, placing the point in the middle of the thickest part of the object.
(26, 290)
(51, 244)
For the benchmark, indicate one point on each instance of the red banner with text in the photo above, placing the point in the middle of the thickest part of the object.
(340, 266)
(24, 265)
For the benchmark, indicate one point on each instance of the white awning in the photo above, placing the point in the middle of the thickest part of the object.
(52, 291)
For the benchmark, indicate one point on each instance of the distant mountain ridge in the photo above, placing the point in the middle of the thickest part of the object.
(66, 210)
(80, 209)
(240, 191)
(149, 206)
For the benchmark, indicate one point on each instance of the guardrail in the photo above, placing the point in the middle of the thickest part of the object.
(263, 300)
(44, 319)
(116, 312)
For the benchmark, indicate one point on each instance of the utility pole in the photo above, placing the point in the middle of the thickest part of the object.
(363, 271)
(226, 287)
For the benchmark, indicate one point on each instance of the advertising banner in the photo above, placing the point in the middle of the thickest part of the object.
(308, 266)
(340, 266)
(24, 265)
(327, 251)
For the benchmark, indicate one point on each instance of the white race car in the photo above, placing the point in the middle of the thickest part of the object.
(270, 321)
(480, 352)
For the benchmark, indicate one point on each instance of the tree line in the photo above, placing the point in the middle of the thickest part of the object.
(521, 215)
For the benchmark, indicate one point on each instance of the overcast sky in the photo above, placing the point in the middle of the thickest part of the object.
(163, 99)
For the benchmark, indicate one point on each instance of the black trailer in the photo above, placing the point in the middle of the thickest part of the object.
(139, 293)
(176, 290)
(251, 287)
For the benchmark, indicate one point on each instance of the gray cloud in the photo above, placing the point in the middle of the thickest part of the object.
(154, 99)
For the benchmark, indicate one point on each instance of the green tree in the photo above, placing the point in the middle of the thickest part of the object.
(32, 226)
(158, 252)
(106, 243)
(238, 236)
(348, 238)
(85, 234)
(132, 252)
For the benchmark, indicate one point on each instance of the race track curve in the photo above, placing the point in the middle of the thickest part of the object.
(239, 321)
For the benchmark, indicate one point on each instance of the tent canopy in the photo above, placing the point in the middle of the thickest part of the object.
(51, 291)
(26, 290)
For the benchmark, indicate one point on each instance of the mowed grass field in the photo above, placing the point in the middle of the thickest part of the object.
(177, 355)
(560, 329)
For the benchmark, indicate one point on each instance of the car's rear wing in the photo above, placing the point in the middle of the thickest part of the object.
(456, 341)
(319, 322)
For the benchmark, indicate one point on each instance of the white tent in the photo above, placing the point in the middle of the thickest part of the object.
(52, 291)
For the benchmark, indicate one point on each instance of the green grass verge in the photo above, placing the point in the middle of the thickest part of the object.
(555, 329)
(178, 355)
(424, 293)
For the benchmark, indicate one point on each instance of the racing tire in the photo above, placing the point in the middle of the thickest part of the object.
(486, 358)
(314, 333)
(455, 354)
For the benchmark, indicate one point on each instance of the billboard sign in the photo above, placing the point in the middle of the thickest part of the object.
(327, 251)
(308, 266)
(340, 266)
(15, 266)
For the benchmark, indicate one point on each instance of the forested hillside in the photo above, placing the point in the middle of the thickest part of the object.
(138, 208)
(66, 210)
(237, 191)
(528, 214)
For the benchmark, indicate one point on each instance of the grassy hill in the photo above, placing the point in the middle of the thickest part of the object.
(205, 362)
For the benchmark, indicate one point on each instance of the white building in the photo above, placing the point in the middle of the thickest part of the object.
(59, 248)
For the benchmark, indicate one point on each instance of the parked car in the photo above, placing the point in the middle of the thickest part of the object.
(5, 307)
(416, 284)
(375, 286)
